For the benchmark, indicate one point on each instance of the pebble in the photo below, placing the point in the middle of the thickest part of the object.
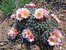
(18, 46)
(1, 44)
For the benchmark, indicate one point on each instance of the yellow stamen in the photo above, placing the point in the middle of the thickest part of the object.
(26, 14)
(28, 32)
(58, 36)
(51, 40)
(53, 34)
(19, 16)
(38, 15)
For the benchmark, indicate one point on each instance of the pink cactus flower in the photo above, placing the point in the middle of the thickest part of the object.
(56, 33)
(25, 13)
(46, 13)
(22, 13)
(55, 18)
(31, 5)
(54, 41)
(13, 16)
(28, 35)
(13, 32)
(39, 13)
(19, 14)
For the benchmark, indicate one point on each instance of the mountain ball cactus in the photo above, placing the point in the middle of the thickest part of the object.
(35, 24)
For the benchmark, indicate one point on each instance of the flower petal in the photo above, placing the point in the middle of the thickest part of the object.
(13, 16)
(28, 35)
(55, 18)
(31, 5)
(25, 13)
(54, 41)
(12, 32)
(19, 14)
(39, 13)
(56, 33)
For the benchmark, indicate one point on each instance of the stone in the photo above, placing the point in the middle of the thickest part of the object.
(1, 43)
(35, 47)
(18, 46)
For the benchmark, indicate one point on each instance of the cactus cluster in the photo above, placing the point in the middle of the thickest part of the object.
(40, 28)
(33, 26)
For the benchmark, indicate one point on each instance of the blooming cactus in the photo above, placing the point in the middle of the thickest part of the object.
(40, 24)
(28, 35)
(41, 13)
(25, 13)
(13, 16)
(22, 13)
(19, 14)
(56, 33)
(12, 33)
(55, 18)
(46, 13)
(55, 37)
(54, 41)
(31, 5)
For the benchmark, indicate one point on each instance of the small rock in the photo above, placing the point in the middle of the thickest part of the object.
(60, 47)
(1, 44)
(35, 47)
(24, 47)
(18, 46)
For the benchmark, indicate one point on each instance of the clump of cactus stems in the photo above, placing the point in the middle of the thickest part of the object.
(39, 25)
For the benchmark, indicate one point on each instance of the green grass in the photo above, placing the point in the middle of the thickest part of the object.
(8, 6)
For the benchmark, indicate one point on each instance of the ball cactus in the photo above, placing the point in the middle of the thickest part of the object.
(37, 24)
